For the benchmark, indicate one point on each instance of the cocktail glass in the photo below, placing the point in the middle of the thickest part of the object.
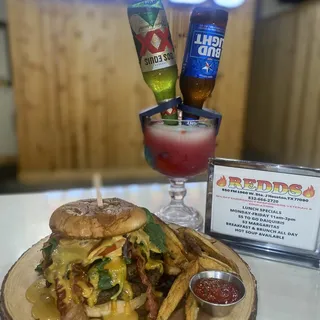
(180, 151)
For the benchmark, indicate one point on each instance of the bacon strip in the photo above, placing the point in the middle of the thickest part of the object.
(76, 312)
(47, 261)
(69, 310)
(61, 296)
(77, 275)
(151, 303)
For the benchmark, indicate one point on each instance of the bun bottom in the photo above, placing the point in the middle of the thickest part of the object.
(106, 309)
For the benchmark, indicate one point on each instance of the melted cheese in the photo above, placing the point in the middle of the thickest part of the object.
(92, 300)
(154, 264)
(94, 280)
(95, 254)
(86, 252)
(158, 294)
(44, 306)
(86, 290)
(68, 251)
(114, 307)
(115, 253)
(143, 238)
(94, 277)
(140, 237)
(75, 251)
(118, 271)
(128, 313)
(127, 293)
(154, 248)
(122, 316)
(65, 283)
(33, 293)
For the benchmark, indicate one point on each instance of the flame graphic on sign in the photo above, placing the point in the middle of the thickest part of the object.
(309, 193)
(222, 182)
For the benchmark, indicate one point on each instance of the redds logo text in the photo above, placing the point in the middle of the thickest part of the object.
(265, 186)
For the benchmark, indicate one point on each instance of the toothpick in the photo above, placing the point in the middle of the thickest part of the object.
(97, 186)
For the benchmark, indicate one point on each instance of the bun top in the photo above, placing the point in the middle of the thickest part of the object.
(84, 219)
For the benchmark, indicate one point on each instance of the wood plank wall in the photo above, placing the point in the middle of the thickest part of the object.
(284, 97)
(78, 86)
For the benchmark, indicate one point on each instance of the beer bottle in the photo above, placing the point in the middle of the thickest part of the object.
(202, 55)
(152, 38)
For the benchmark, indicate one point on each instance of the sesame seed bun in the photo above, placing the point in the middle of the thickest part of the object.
(84, 219)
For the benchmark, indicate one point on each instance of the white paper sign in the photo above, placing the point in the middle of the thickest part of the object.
(271, 207)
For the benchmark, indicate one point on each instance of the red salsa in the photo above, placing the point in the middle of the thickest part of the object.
(216, 291)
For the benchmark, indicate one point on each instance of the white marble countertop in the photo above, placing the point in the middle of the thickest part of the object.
(285, 292)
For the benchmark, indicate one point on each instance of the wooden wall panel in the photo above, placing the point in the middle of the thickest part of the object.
(284, 105)
(78, 86)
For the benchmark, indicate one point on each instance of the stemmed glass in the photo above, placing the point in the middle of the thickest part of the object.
(180, 150)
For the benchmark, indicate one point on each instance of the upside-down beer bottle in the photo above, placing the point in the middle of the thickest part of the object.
(202, 55)
(152, 38)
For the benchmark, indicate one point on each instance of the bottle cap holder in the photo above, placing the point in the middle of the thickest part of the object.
(149, 112)
(177, 102)
(203, 113)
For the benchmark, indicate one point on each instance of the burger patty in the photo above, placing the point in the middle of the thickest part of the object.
(132, 273)
(154, 276)
(165, 284)
(138, 289)
(105, 295)
(133, 277)
(136, 285)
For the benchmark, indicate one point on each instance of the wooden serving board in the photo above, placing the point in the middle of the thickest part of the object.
(14, 306)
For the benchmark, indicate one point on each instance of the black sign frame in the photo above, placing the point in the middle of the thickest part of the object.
(257, 248)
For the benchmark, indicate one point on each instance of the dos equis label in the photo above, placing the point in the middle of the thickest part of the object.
(204, 48)
(152, 39)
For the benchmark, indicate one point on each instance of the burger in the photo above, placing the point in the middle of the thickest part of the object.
(105, 262)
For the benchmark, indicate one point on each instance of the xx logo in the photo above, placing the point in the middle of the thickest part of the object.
(148, 46)
(170, 111)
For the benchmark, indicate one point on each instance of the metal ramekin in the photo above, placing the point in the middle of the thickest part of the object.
(218, 310)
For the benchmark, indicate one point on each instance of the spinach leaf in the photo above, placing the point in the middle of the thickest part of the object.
(149, 216)
(100, 265)
(47, 250)
(155, 232)
(49, 247)
(39, 268)
(104, 280)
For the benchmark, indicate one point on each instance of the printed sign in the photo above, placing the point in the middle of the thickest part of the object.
(265, 204)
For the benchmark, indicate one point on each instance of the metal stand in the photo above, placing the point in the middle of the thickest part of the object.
(177, 102)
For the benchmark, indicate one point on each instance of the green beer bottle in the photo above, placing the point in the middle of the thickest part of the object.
(152, 38)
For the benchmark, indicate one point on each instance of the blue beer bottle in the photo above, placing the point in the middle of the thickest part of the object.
(202, 55)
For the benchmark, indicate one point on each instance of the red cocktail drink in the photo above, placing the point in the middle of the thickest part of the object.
(179, 151)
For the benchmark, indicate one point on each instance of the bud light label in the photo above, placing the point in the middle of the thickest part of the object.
(203, 51)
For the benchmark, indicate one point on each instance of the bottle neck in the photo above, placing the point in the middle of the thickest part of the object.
(164, 96)
(193, 102)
